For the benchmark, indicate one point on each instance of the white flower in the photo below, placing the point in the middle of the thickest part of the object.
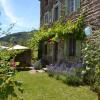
(83, 72)
(87, 68)
(86, 48)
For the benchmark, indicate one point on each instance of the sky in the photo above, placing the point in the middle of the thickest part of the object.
(24, 14)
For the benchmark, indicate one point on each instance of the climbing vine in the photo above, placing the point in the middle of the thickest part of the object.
(59, 29)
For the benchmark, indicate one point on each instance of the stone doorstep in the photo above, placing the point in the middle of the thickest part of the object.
(40, 71)
(36, 71)
(45, 69)
(32, 71)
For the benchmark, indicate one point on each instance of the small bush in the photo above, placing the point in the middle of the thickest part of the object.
(9, 86)
(51, 73)
(57, 77)
(44, 62)
(91, 57)
(73, 80)
(88, 77)
(38, 65)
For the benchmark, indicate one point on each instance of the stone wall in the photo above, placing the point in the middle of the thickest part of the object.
(44, 8)
(91, 8)
(92, 12)
(92, 18)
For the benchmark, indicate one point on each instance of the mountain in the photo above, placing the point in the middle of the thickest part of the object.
(17, 38)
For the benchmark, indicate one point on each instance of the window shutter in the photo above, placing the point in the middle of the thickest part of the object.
(59, 9)
(52, 14)
(67, 6)
(77, 4)
(78, 48)
(66, 50)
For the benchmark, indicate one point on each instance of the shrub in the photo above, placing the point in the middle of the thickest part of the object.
(51, 73)
(44, 62)
(91, 55)
(8, 84)
(58, 76)
(73, 80)
(88, 77)
(38, 65)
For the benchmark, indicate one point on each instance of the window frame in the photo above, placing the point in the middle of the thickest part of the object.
(46, 2)
(56, 13)
(46, 17)
(72, 46)
(58, 4)
(72, 6)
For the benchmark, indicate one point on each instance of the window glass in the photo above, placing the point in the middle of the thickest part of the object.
(46, 2)
(71, 5)
(56, 13)
(72, 46)
(46, 18)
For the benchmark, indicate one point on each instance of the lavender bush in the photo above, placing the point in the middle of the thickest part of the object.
(71, 72)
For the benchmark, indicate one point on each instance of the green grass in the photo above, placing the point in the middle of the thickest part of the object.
(42, 87)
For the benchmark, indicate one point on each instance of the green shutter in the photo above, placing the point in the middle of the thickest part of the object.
(67, 7)
(59, 11)
(77, 4)
(66, 48)
(78, 48)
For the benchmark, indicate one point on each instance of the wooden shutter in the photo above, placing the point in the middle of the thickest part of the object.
(77, 4)
(78, 48)
(66, 50)
(66, 7)
(72, 46)
(56, 51)
(59, 9)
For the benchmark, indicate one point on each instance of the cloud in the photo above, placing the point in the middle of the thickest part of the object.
(20, 22)
(8, 11)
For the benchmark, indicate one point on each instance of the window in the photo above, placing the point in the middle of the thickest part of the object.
(55, 52)
(45, 49)
(46, 2)
(56, 10)
(71, 5)
(56, 1)
(56, 13)
(46, 18)
(72, 46)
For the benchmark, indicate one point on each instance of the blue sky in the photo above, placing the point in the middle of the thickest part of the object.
(24, 13)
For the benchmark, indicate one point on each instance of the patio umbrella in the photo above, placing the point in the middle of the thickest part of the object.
(18, 47)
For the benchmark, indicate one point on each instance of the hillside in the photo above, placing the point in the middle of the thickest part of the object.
(18, 38)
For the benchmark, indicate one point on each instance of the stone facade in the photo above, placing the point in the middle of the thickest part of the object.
(91, 7)
(48, 10)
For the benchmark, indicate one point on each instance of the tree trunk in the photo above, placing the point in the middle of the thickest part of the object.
(98, 96)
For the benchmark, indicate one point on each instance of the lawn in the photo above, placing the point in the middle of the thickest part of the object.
(42, 87)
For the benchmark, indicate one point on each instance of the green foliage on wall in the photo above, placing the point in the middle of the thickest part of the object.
(59, 29)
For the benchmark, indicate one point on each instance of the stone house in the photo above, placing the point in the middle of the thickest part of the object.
(51, 10)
